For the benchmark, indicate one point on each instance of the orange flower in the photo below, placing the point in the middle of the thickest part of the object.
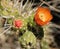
(42, 16)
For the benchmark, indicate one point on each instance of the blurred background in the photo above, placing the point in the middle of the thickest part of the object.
(9, 40)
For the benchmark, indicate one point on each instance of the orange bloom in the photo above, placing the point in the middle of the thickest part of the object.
(42, 16)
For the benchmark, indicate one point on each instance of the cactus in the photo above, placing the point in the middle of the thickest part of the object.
(16, 10)
(28, 38)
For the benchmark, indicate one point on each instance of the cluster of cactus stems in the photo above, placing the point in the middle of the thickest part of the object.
(12, 10)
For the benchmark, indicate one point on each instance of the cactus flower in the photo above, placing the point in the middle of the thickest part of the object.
(18, 23)
(42, 16)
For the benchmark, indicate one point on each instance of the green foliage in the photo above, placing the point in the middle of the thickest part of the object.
(8, 9)
(28, 38)
(10, 21)
(44, 44)
(5, 13)
(31, 20)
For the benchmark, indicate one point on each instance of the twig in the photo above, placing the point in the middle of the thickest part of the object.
(54, 25)
(25, 4)
(51, 7)
(5, 31)
(7, 17)
(21, 7)
(16, 3)
(5, 23)
(41, 3)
